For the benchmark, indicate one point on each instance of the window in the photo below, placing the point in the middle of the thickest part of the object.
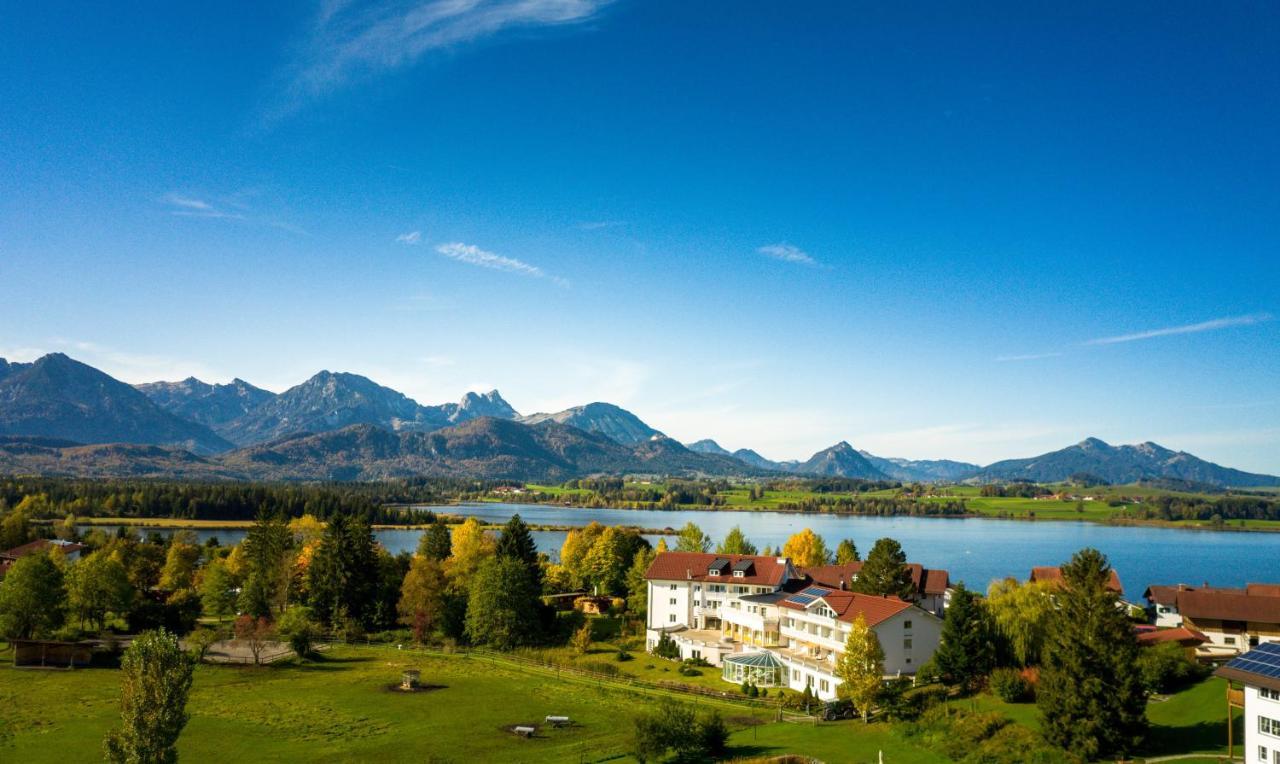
(673, 600)
(1268, 726)
(906, 643)
(906, 625)
(713, 572)
(697, 654)
(1269, 694)
(737, 574)
(673, 587)
(1262, 753)
(824, 685)
(1228, 640)
(672, 618)
(795, 675)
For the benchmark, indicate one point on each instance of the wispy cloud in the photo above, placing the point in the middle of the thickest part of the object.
(1027, 357)
(351, 41)
(1203, 326)
(473, 255)
(788, 253)
(411, 238)
(233, 207)
(596, 225)
(190, 207)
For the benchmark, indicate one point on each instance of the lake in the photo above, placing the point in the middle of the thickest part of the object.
(976, 551)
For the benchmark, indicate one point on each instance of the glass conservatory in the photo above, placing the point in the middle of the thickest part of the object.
(763, 669)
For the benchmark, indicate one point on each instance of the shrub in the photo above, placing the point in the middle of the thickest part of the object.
(667, 648)
(1011, 686)
(622, 656)
(687, 670)
(699, 662)
(1166, 668)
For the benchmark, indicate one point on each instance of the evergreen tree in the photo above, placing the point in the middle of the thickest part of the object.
(502, 609)
(435, 543)
(1090, 693)
(847, 552)
(267, 566)
(885, 572)
(692, 539)
(735, 542)
(153, 704)
(968, 649)
(343, 575)
(32, 597)
(860, 668)
(517, 543)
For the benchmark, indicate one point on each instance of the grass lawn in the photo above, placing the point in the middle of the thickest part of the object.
(1191, 721)
(340, 708)
(849, 741)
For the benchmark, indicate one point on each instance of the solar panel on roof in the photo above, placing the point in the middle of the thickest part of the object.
(1263, 660)
(816, 591)
(743, 565)
(719, 563)
(800, 599)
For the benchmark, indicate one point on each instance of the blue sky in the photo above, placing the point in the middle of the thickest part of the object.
(935, 231)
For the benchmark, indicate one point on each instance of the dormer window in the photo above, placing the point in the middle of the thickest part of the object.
(713, 572)
(737, 574)
(718, 567)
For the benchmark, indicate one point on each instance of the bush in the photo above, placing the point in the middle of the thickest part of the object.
(622, 656)
(928, 673)
(1166, 668)
(687, 670)
(667, 648)
(1011, 686)
(297, 628)
(675, 728)
(699, 662)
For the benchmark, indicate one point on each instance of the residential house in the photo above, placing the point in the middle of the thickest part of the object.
(1233, 620)
(1258, 673)
(70, 550)
(759, 618)
(1162, 605)
(1053, 574)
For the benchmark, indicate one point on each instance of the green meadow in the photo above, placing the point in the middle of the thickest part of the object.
(343, 707)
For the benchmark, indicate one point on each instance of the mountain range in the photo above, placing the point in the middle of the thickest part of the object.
(60, 416)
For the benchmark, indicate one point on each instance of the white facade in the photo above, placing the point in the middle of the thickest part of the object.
(1261, 725)
(713, 616)
(1167, 615)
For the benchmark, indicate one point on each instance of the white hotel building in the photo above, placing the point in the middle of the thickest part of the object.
(1258, 672)
(762, 619)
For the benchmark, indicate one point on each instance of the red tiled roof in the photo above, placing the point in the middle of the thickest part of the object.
(40, 545)
(1182, 635)
(693, 566)
(925, 580)
(1053, 574)
(847, 605)
(1262, 590)
(1229, 605)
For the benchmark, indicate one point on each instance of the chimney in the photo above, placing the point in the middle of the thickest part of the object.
(842, 583)
(688, 574)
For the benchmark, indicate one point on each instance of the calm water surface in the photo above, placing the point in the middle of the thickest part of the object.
(975, 551)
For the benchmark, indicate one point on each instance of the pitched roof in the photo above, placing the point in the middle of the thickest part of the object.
(42, 545)
(1182, 635)
(1263, 590)
(1260, 667)
(1228, 605)
(925, 580)
(1165, 595)
(1053, 574)
(695, 566)
(847, 605)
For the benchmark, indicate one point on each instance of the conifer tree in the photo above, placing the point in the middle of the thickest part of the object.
(517, 543)
(968, 649)
(885, 572)
(692, 539)
(1090, 694)
(847, 552)
(735, 542)
(435, 542)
